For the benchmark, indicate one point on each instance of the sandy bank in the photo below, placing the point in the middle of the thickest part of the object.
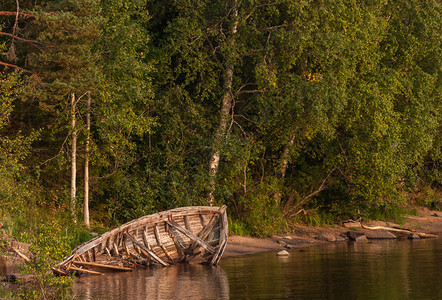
(427, 221)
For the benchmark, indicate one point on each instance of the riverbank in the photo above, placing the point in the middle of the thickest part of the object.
(426, 221)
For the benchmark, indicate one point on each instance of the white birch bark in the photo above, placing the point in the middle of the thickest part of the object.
(226, 105)
(73, 158)
(86, 161)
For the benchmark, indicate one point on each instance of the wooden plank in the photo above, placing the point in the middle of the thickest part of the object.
(59, 271)
(87, 256)
(102, 266)
(70, 262)
(191, 235)
(107, 244)
(187, 224)
(223, 236)
(93, 255)
(205, 232)
(116, 249)
(86, 271)
(217, 256)
(151, 253)
(108, 252)
(126, 249)
(177, 240)
(136, 248)
(159, 243)
(203, 223)
(145, 241)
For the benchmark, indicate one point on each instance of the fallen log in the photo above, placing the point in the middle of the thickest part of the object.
(420, 234)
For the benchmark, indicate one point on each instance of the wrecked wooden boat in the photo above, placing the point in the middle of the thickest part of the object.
(164, 238)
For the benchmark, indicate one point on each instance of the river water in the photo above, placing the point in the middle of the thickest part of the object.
(391, 269)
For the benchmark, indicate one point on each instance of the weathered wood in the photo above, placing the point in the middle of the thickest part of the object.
(116, 249)
(126, 248)
(136, 248)
(223, 236)
(216, 257)
(187, 224)
(102, 266)
(203, 223)
(159, 243)
(177, 240)
(70, 262)
(59, 272)
(146, 243)
(204, 233)
(191, 235)
(87, 256)
(94, 257)
(420, 234)
(150, 252)
(197, 227)
(86, 271)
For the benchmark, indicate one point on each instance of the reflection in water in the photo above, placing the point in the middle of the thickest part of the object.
(184, 281)
(366, 270)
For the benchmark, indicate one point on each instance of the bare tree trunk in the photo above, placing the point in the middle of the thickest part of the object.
(226, 105)
(285, 155)
(74, 158)
(86, 161)
(284, 164)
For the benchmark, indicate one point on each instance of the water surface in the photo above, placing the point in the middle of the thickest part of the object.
(365, 270)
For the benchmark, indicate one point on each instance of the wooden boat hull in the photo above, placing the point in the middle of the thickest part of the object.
(164, 238)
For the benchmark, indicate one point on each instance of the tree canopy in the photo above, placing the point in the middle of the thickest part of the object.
(269, 107)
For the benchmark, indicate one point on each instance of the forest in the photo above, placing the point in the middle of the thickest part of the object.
(285, 111)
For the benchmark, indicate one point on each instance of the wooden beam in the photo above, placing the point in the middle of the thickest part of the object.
(102, 266)
(145, 241)
(157, 237)
(177, 240)
(187, 224)
(203, 223)
(150, 252)
(86, 271)
(190, 235)
(70, 262)
(223, 237)
(116, 249)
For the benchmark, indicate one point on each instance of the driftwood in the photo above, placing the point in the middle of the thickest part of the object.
(163, 239)
(21, 254)
(407, 231)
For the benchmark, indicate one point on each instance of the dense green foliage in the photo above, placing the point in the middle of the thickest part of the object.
(334, 107)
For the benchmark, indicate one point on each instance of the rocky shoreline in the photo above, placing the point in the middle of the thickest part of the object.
(428, 224)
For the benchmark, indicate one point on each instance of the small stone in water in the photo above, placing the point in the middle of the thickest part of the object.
(282, 253)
